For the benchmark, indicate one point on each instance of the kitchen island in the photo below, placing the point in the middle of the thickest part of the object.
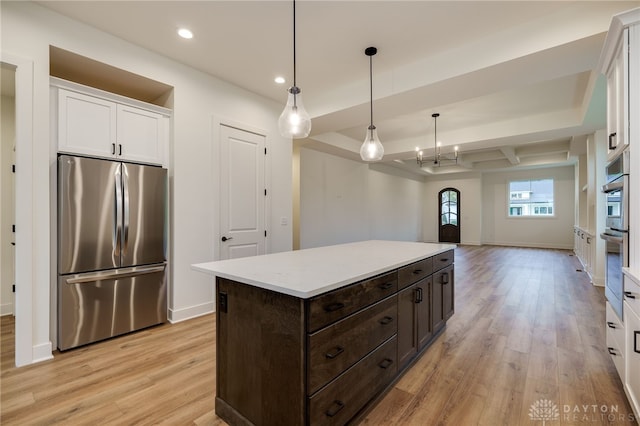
(315, 336)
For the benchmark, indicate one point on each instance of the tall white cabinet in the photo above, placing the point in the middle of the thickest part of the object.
(620, 62)
(99, 124)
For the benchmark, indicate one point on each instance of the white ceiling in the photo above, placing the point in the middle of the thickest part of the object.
(515, 82)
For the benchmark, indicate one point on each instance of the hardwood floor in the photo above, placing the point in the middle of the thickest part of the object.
(528, 328)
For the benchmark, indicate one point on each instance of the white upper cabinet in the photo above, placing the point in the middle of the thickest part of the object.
(100, 127)
(620, 63)
(86, 125)
(141, 135)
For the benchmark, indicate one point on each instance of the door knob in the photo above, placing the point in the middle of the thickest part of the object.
(225, 238)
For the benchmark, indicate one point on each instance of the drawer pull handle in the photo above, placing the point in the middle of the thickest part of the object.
(635, 341)
(612, 351)
(417, 271)
(446, 259)
(385, 286)
(336, 351)
(334, 307)
(444, 278)
(386, 320)
(629, 295)
(335, 408)
(385, 363)
(113, 149)
(611, 324)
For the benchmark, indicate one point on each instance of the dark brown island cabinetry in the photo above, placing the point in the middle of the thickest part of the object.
(324, 360)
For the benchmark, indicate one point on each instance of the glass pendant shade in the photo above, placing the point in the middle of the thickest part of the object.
(371, 149)
(294, 121)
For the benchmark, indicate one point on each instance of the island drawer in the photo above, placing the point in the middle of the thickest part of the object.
(327, 308)
(442, 260)
(340, 345)
(413, 272)
(341, 399)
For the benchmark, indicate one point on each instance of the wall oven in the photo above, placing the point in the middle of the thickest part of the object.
(617, 228)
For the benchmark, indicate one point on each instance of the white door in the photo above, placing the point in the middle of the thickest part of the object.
(242, 193)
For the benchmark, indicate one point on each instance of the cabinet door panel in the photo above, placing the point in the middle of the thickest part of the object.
(447, 293)
(437, 313)
(86, 125)
(423, 312)
(407, 345)
(140, 135)
(632, 358)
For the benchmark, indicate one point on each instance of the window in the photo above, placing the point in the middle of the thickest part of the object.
(531, 198)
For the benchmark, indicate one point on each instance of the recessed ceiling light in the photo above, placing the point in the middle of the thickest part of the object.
(185, 33)
(279, 80)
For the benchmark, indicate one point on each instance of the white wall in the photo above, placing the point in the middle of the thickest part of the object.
(27, 32)
(554, 232)
(470, 187)
(8, 206)
(343, 201)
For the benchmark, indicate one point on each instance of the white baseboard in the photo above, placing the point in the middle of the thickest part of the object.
(531, 245)
(178, 315)
(6, 309)
(42, 352)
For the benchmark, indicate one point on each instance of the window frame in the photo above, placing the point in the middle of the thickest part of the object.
(520, 202)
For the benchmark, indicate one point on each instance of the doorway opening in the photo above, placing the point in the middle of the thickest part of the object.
(7, 190)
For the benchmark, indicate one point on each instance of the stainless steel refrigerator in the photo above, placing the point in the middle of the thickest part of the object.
(111, 248)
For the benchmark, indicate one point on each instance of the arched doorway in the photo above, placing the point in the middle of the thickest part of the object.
(449, 216)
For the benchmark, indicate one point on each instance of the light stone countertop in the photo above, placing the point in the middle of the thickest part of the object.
(310, 272)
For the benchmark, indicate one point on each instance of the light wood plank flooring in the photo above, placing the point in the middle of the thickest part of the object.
(527, 327)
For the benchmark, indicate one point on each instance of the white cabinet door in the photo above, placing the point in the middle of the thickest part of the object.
(618, 98)
(632, 382)
(141, 135)
(86, 125)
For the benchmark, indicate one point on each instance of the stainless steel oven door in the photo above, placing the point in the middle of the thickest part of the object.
(616, 258)
(617, 204)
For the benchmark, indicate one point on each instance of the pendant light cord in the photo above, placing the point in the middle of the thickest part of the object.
(294, 43)
(371, 88)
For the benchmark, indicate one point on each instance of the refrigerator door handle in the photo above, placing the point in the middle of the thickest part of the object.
(125, 214)
(113, 275)
(117, 238)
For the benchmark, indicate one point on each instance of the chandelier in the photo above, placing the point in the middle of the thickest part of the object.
(438, 158)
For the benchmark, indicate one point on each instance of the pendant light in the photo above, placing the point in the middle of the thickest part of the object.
(294, 121)
(371, 149)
